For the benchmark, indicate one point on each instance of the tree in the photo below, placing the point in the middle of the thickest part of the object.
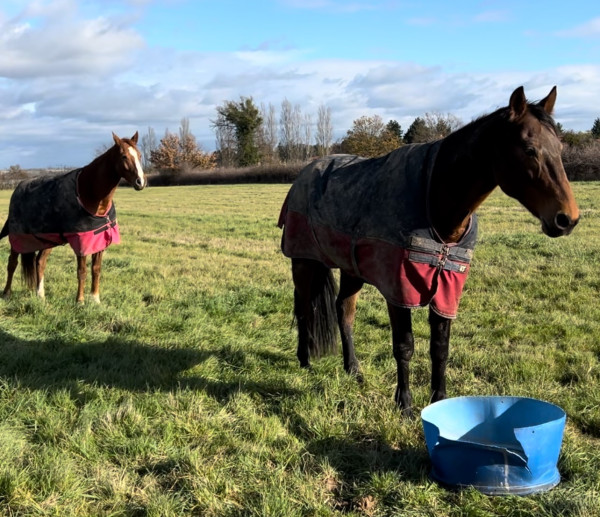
(306, 147)
(289, 130)
(577, 138)
(416, 132)
(177, 153)
(267, 134)
(147, 145)
(164, 157)
(432, 127)
(595, 131)
(369, 137)
(324, 136)
(393, 126)
(226, 145)
(243, 119)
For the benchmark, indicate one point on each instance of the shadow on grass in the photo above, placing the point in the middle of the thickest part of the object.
(360, 461)
(54, 364)
(357, 459)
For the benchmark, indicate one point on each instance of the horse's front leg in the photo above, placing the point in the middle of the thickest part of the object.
(345, 305)
(438, 348)
(404, 346)
(13, 262)
(81, 274)
(40, 263)
(96, 268)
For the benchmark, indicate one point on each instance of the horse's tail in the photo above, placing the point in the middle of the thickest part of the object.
(4, 231)
(321, 320)
(29, 270)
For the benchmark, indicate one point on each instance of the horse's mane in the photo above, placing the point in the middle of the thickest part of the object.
(504, 114)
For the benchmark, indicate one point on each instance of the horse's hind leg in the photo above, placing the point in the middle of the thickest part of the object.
(302, 275)
(346, 310)
(13, 262)
(404, 346)
(96, 268)
(40, 262)
(81, 274)
(438, 349)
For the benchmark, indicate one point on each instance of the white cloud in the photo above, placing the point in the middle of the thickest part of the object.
(49, 40)
(590, 29)
(67, 81)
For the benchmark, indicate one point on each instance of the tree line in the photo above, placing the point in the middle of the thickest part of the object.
(249, 135)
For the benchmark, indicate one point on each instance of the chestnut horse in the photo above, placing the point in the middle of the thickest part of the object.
(75, 208)
(352, 213)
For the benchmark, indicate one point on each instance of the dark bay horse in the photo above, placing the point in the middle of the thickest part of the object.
(406, 223)
(75, 208)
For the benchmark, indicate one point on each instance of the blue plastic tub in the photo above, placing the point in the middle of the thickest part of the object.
(498, 445)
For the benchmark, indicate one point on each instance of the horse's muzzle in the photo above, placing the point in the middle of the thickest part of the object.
(562, 224)
(139, 183)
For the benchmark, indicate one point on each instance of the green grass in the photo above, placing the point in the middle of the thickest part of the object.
(181, 394)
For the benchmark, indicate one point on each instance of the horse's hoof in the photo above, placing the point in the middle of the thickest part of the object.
(407, 413)
(357, 374)
(436, 397)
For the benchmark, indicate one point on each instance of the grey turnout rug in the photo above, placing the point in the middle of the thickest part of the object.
(369, 217)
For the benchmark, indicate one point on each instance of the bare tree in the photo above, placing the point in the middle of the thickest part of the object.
(324, 136)
(268, 133)
(306, 147)
(290, 142)
(147, 145)
(226, 145)
(286, 130)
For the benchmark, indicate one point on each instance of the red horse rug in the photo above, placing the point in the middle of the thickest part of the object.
(46, 211)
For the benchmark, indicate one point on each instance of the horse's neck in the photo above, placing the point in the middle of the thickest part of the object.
(461, 180)
(97, 184)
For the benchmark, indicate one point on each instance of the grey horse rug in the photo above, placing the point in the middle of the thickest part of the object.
(369, 217)
(46, 211)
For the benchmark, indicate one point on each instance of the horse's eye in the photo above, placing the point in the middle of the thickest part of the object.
(531, 151)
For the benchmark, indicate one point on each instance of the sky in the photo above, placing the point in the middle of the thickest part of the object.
(74, 71)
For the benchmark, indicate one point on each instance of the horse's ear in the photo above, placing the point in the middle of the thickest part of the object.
(116, 139)
(134, 138)
(517, 104)
(548, 102)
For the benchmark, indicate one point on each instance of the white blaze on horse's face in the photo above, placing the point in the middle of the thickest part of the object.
(140, 180)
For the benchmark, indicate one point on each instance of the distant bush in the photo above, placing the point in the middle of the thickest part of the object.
(11, 178)
(259, 174)
(582, 163)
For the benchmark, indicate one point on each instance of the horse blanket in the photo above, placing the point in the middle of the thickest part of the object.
(46, 211)
(369, 217)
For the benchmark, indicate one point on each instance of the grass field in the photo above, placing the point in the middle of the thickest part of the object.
(181, 395)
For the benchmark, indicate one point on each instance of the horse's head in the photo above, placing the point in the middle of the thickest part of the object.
(529, 164)
(129, 163)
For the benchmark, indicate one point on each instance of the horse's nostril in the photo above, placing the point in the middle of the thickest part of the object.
(562, 221)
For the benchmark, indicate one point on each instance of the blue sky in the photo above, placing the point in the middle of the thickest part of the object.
(73, 71)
